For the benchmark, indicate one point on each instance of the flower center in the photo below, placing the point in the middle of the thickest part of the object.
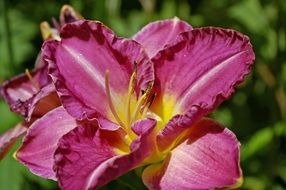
(139, 109)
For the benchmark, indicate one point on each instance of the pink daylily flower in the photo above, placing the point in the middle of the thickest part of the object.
(129, 103)
(32, 94)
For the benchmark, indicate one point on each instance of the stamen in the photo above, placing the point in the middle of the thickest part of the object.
(131, 88)
(34, 83)
(111, 106)
(145, 110)
(138, 106)
(151, 98)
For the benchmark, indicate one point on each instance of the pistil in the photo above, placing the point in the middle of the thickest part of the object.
(111, 106)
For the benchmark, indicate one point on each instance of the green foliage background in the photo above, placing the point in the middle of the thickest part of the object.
(256, 113)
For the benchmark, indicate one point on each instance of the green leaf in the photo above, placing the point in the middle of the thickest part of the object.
(256, 143)
(15, 176)
(10, 173)
(251, 14)
(8, 119)
(224, 116)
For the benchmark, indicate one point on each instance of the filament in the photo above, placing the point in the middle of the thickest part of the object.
(131, 88)
(138, 107)
(111, 106)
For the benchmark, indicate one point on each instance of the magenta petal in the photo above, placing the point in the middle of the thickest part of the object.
(142, 147)
(40, 63)
(156, 35)
(8, 138)
(44, 101)
(175, 128)
(107, 124)
(203, 67)
(79, 63)
(79, 152)
(19, 91)
(142, 126)
(18, 88)
(41, 141)
(208, 159)
(86, 159)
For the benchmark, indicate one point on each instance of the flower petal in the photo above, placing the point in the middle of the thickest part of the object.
(8, 138)
(202, 68)
(86, 159)
(140, 127)
(156, 35)
(43, 102)
(78, 153)
(141, 149)
(18, 91)
(80, 61)
(176, 128)
(208, 159)
(41, 141)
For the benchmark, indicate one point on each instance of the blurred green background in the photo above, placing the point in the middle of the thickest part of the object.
(256, 113)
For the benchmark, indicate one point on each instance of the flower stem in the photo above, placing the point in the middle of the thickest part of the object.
(8, 37)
